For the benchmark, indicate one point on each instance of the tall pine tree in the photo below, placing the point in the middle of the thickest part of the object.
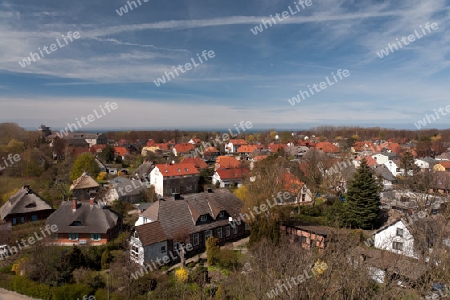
(362, 201)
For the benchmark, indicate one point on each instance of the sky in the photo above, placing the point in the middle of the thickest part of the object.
(250, 77)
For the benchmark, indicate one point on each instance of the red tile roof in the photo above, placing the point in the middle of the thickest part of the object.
(445, 164)
(162, 146)
(291, 183)
(259, 157)
(122, 151)
(150, 143)
(227, 162)
(327, 147)
(238, 142)
(177, 169)
(276, 147)
(96, 148)
(211, 150)
(199, 163)
(238, 173)
(184, 148)
(247, 148)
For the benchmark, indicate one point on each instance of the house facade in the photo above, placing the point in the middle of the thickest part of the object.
(177, 178)
(84, 187)
(24, 206)
(395, 238)
(84, 223)
(172, 223)
(229, 177)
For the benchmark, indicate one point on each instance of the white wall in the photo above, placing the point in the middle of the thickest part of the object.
(156, 179)
(385, 238)
(380, 158)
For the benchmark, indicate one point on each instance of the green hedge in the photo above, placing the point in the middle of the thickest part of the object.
(30, 288)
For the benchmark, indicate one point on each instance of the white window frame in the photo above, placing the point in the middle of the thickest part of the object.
(399, 232)
(195, 239)
(71, 235)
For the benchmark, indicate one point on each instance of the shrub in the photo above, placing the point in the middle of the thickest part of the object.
(227, 258)
(182, 274)
(212, 250)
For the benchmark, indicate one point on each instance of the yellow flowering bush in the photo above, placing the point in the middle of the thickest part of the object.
(182, 274)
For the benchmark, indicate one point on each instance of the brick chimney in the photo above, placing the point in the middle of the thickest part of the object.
(74, 205)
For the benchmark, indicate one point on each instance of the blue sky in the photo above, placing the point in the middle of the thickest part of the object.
(251, 76)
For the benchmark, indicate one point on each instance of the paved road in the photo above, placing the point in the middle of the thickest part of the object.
(8, 295)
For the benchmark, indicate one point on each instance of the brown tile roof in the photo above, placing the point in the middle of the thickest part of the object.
(198, 162)
(445, 164)
(180, 169)
(84, 182)
(211, 149)
(291, 183)
(151, 233)
(24, 201)
(175, 215)
(236, 173)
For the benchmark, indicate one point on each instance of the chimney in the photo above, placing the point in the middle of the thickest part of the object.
(74, 205)
(176, 196)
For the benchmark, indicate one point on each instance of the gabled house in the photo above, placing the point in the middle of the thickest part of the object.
(194, 217)
(24, 206)
(84, 187)
(396, 238)
(422, 164)
(233, 145)
(121, 151)
(177, 178)
(298, 189)
(227, 162)
(229, 177)
(126, 190)
(393, 167)
(84, 223)
(198, 162)
(388, 179)
(246, 150)
(180, 149)
(327, 147)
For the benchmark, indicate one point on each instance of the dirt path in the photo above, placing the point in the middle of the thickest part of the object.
(9, 295)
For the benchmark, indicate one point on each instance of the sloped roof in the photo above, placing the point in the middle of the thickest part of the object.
(24, 201)
(238, 142)
(144, 169)
(228, 162)
(122, 151)
(291, 183)
(180, 169)
(247, 148)
(236, 173)
(276, 147)
(184, 148)
(445, 164)
(327, 147)
(198, 162)
(151, 233)
(383, 171)
(211, 149)
(84, 182)
(175, 215)
(93, 218)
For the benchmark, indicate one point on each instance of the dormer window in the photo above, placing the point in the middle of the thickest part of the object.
(30, 205)
(203, 218)
(76, 223)
(221, 214)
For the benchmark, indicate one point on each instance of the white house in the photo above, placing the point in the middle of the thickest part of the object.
(144, 247)
(423, 165)
(393, 168)
(380, 158)
(395, 238)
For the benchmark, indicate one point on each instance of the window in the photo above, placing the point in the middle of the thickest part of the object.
(397, 246)
(195, 239)
(399, 232)
(235, 230)
(34, 218)
(96, 236)
(219, 232)
(134, 252)
(221, 214)
(208, 234)
(303, 239)
(227, 231)
(22, 219)
(163, 249)
(14, 221)
(203, 218)
(73, 236)
(247, 227)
